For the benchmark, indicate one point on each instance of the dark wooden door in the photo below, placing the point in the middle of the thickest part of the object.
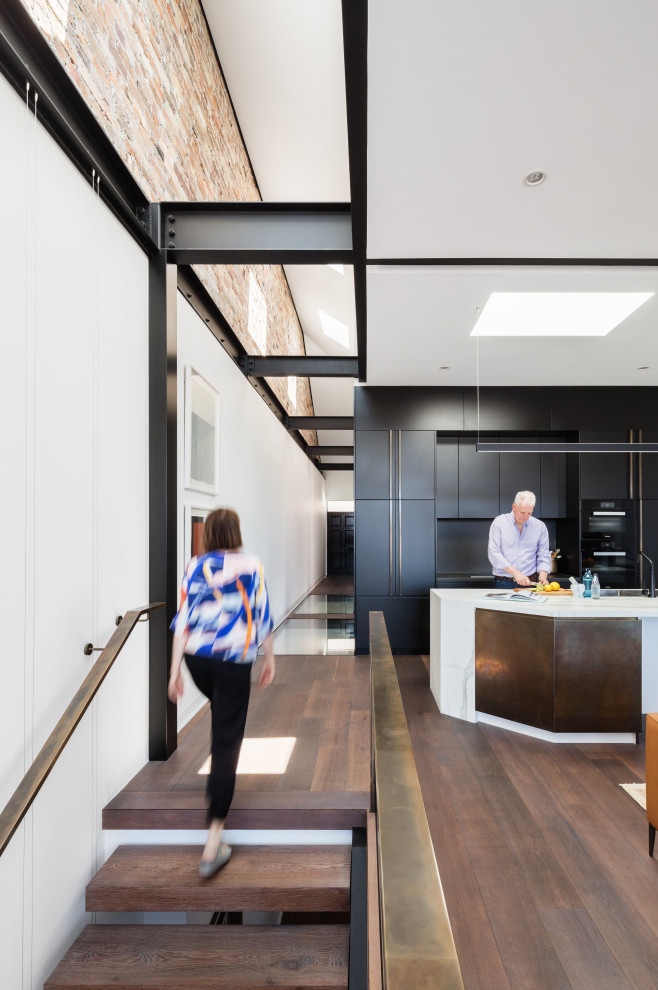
(340, 543)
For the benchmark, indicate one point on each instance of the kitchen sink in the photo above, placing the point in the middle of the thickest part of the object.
(624, 592)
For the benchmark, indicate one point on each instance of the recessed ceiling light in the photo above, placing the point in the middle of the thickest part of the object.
(444, 367)
(553, 314)
(643, 367)
(535, 178)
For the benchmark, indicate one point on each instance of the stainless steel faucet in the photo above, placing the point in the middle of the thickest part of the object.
(652, 591)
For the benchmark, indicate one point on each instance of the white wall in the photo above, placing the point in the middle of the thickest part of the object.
(263, 475)
(73, 526)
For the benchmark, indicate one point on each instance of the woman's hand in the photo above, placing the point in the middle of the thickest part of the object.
(268, 668)
(175, 688)
(267, 672)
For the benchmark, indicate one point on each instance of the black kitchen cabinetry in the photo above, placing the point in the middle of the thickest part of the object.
(407, 622)
(446, 484)
(648, 467)
(469, 485)
(395, 559)
(604, 475)
(479, 480)
(373, 464)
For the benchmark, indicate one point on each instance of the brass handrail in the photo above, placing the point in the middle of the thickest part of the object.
(22, 798)
(418, 949)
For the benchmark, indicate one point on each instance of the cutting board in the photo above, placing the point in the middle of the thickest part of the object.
(551, 594)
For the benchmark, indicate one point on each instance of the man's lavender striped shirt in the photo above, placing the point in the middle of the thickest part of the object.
(527, 551)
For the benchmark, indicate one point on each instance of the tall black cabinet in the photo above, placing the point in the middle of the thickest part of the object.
(394, 526)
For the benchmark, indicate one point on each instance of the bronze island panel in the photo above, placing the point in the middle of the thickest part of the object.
(598, 675)
(514, 667)
(562, 675)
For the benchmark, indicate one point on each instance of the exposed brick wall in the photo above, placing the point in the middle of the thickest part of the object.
(147, 70)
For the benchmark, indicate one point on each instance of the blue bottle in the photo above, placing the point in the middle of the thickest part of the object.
(587, 581)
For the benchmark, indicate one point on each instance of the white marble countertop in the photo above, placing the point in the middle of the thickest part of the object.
(562, 606)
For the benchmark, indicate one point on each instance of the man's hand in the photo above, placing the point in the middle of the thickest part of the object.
(521, 579)
(543, 577)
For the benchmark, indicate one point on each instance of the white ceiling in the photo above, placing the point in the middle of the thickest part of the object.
(464, 99)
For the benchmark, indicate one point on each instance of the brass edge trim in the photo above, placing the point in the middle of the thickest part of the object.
(418, 948)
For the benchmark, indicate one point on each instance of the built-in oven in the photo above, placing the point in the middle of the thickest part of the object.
(608, 544)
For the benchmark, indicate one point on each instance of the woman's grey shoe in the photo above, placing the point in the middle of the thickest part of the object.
(208, 867)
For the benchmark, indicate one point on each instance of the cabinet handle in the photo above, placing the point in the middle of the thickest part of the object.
(390, 547)
(399, 512)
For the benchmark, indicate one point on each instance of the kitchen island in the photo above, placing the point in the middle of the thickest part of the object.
(554, 647)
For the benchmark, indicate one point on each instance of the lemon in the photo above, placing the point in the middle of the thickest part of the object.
(554, 586)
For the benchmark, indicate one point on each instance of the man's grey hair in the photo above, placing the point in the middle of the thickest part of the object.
(525, 498)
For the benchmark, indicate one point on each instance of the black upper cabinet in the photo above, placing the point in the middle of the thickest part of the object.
(649, 468)
(604, 475)
(553, 484)
(372, 464)
(519, 473)
(416, 458)
(479, 480)
(446, 485)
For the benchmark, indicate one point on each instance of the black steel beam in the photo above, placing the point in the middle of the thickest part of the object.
(163, 499)
(318, 451)
(258, 233)
(335, 467)
(355, 49)
(302, 366)
(26, 57)
(320, 422)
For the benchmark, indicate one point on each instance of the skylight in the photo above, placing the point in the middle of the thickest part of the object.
(335, 329)
(556, 314)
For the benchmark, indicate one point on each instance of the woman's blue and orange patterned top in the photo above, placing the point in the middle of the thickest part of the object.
(224, 607)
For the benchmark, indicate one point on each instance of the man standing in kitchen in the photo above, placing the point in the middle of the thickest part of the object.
(518, 545)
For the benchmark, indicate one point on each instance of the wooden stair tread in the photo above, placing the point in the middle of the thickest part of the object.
(208, 957)
(186, 808)
(257, 878)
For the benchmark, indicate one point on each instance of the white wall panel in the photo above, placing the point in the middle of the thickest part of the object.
(263, 475)
(73, 526)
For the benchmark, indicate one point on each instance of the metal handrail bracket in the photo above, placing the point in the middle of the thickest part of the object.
(22, 798)
(418, 949)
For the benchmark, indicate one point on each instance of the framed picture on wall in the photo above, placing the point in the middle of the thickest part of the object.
(193, 530)
(201, 434)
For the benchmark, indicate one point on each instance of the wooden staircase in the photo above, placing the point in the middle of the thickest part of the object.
(299, 879)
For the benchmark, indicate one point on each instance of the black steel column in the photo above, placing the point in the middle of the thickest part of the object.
(163, 497)
(358, 966)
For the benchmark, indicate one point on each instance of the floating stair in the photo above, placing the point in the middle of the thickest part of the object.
(256, 878)
(214, 957)
(210, 957)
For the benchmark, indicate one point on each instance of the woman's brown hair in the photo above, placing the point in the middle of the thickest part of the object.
(221, 531)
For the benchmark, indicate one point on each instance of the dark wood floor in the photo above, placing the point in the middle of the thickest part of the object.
(542, 856)
(335, 585)
(321, 701)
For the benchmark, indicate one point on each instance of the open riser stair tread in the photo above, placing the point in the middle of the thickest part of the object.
(257, 878)
(209, 957)
(187, 809)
